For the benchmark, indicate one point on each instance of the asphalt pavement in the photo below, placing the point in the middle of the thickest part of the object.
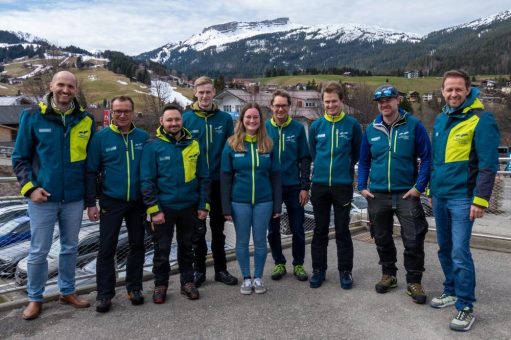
(290, 309)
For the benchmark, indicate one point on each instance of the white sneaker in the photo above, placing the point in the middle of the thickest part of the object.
(246, 287)
(443, 301)
(258, 285)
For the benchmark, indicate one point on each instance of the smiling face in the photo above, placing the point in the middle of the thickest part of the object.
(171, 121)
(455, 91)
(64, 88)
(332, 103)
(122, 114)
(251, 121)
(205, 94)
(389, 109)
(280, 109)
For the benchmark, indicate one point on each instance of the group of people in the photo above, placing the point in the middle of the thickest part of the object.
(199, 164)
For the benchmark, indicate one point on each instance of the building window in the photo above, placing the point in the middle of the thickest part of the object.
(310, 104)
(238, 108)
(227, 108)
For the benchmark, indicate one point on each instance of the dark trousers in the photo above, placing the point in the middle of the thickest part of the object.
(323, 197)
(113, 211)
(413, 230)
(295, 213)
(185, 221)
(216, 224)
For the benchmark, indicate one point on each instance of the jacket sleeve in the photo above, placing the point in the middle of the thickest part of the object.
(149, 179)
(276, 182)
(486, 142)
(305, 161)
(364, 164)
(204, 183)
(93, 170)
(226, 178)
(355, 144)
(229, 127)
(24, 154)
(423, 148)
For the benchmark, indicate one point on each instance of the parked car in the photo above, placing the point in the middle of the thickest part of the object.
(12, 254)
(358, 209)
(16, 230)
(88, 244)
(11, 212)
(8, 203)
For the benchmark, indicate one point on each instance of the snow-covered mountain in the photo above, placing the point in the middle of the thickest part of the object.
(250, 48)
(220, 36)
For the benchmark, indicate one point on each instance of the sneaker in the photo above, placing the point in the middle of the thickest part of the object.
(416, 291)
(103, 305)
(160, 294)
(463, 320)
(317, 278)
(346, 279)
(199, 278)
(300, 273)
(225, 277)
(278, 271)
(258, 285)
(136, 297)
(386, 283)
(246, 287)
(190, 291)
(443, 301)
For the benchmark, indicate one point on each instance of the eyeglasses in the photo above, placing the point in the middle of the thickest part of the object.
(119, 113)
(387, 93)
(283, 106)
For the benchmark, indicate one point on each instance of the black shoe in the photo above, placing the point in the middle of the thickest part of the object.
(103, 305)
(199, 278)
(190, 291)
(160, 294)
(225, 277)
(136, 297)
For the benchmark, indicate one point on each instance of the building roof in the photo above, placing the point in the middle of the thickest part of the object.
(10, 115)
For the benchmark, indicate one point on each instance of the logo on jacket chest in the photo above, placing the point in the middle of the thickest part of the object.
(290, 139)
(404, 135)
(111, 148)
(462, 138)
(344, 134)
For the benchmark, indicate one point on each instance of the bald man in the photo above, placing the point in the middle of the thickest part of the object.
(49, 162)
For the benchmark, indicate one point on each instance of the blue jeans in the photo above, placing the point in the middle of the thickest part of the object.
(295, 213)
(247, 217)
(453, 231)
(43, 217)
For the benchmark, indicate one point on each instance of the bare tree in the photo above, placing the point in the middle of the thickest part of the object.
(359, 98)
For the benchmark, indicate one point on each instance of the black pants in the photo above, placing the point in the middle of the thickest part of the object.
(323, 197)
(216, 224)
(185, 221)
(413, 230)
(113, 211)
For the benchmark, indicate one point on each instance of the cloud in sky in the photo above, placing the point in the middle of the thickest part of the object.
(135, 26)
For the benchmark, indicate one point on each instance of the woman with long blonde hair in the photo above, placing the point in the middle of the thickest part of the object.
(251, 192)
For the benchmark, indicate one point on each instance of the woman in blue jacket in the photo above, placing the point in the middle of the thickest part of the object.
(251, 192)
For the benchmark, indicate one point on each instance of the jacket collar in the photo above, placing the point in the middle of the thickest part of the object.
(251, 139)
(286, 123)
(201, 112)
(115, 128)
(402, 118)
(185, 137)
(336, 118)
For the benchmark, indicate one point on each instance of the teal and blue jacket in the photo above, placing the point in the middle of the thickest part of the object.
(51, 151)
(211, 129)
(465, 155)
(115, 158)
(250, 177)
(335, 148)
(389, 156)
(173, 173)
(293, 152)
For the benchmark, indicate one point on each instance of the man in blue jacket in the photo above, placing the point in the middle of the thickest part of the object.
(388, 157)
(49, 161)
(211, 127)
(114, 156)
(465, 161)
(175, 186)
(335, 147)
(295, 161)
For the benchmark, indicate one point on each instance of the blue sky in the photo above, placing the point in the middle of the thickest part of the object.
(138, 26)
